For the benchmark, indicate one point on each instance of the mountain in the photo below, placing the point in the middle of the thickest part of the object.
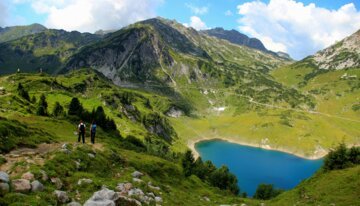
(15, 32)
(342, 55)
(236, 37)
(47, 50)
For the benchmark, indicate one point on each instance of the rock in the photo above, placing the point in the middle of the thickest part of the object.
(135, 192)
(206, 199)
(21, 185)
(137, 174)
(28, 176)
(137, 180)
(100, 203)
(154, 188)
(4, 177)
(123, 200)
(36, 186)
(64, 146)
(74, 204)
(243, 204)
(91, 155)
(77, 163)
(128, 186)
(84, 181)
(151, 194)
(4, 188)
(61, 196)
(58, 183)
(104, 194)
(158, 199)
(44, 176)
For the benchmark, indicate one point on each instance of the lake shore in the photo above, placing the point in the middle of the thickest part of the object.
(191, 144)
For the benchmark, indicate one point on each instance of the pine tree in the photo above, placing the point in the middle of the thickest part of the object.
(75, 107)
(43, 105)
(58, 110)
(22, 92)
(188, 163)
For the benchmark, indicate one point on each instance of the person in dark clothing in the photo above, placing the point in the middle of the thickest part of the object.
(81, 131)
(93, 132)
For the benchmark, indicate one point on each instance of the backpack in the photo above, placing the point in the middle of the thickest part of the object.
(82, 128)
(93, 128)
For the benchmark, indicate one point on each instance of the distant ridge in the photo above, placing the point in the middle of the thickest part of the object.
(236, 37)
(16, 32)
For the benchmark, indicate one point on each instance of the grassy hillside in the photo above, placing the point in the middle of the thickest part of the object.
(338, 187)
(16, 32)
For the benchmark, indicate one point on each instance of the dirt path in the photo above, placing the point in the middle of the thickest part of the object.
(36, 155)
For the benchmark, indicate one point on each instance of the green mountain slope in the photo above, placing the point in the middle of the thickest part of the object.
(16, 32)
(47, 50)
(338, 187)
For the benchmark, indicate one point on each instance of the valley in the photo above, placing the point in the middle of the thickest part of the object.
(159, 88)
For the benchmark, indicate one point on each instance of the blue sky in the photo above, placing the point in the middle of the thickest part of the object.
(299, 27)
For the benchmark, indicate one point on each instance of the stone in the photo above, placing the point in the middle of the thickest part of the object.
(36, 186)
(91, 155)
(4, 188)
(44, 176)
(137, 174)
(77, 163)
(84, 181)
(104, 194)
(135, 192)
(21, 185)
(58, 183)
(123, 200)
(243, 204)
(137, 180)
(4, 177)
(151, 194)
(128, 186)
(206, 199)
(61, 196)
(158, 199)
(100, 203)
(154, 188)
(28, 176)
(74, 204)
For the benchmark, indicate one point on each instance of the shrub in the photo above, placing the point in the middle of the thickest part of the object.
(43, 105)
(341, 158)
(58, 110)
(75, 108)
(22, 92)
(266, 192)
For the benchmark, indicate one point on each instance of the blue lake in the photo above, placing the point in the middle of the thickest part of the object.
(254, 166)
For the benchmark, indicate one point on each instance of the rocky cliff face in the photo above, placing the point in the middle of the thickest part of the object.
(344, 54)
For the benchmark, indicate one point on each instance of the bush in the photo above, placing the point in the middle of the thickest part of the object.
(223, 179)
(266, 192)
(75, 108)
(341, 158)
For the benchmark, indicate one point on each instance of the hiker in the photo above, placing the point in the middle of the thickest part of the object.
(93, 132)
(81, 131)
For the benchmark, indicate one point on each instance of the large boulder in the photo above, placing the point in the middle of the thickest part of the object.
(4, 188)
(36, 186)
(100, 203)
(4, 177)
(104, 197)
(61, 196)
(21, 185)
(28, 176)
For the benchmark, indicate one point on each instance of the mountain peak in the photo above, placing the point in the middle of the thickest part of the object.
(15, 32)
(343, 54)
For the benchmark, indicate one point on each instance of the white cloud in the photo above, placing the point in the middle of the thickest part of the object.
(92, 15)
(196, 23)
(228, 13)
(3, 13)
(198, 10)
(300, 30)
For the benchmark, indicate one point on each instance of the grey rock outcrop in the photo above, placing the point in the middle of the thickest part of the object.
(137, 174)
(4, 188)
(28, 176)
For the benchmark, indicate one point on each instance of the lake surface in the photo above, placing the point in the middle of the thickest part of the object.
(254, 166)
